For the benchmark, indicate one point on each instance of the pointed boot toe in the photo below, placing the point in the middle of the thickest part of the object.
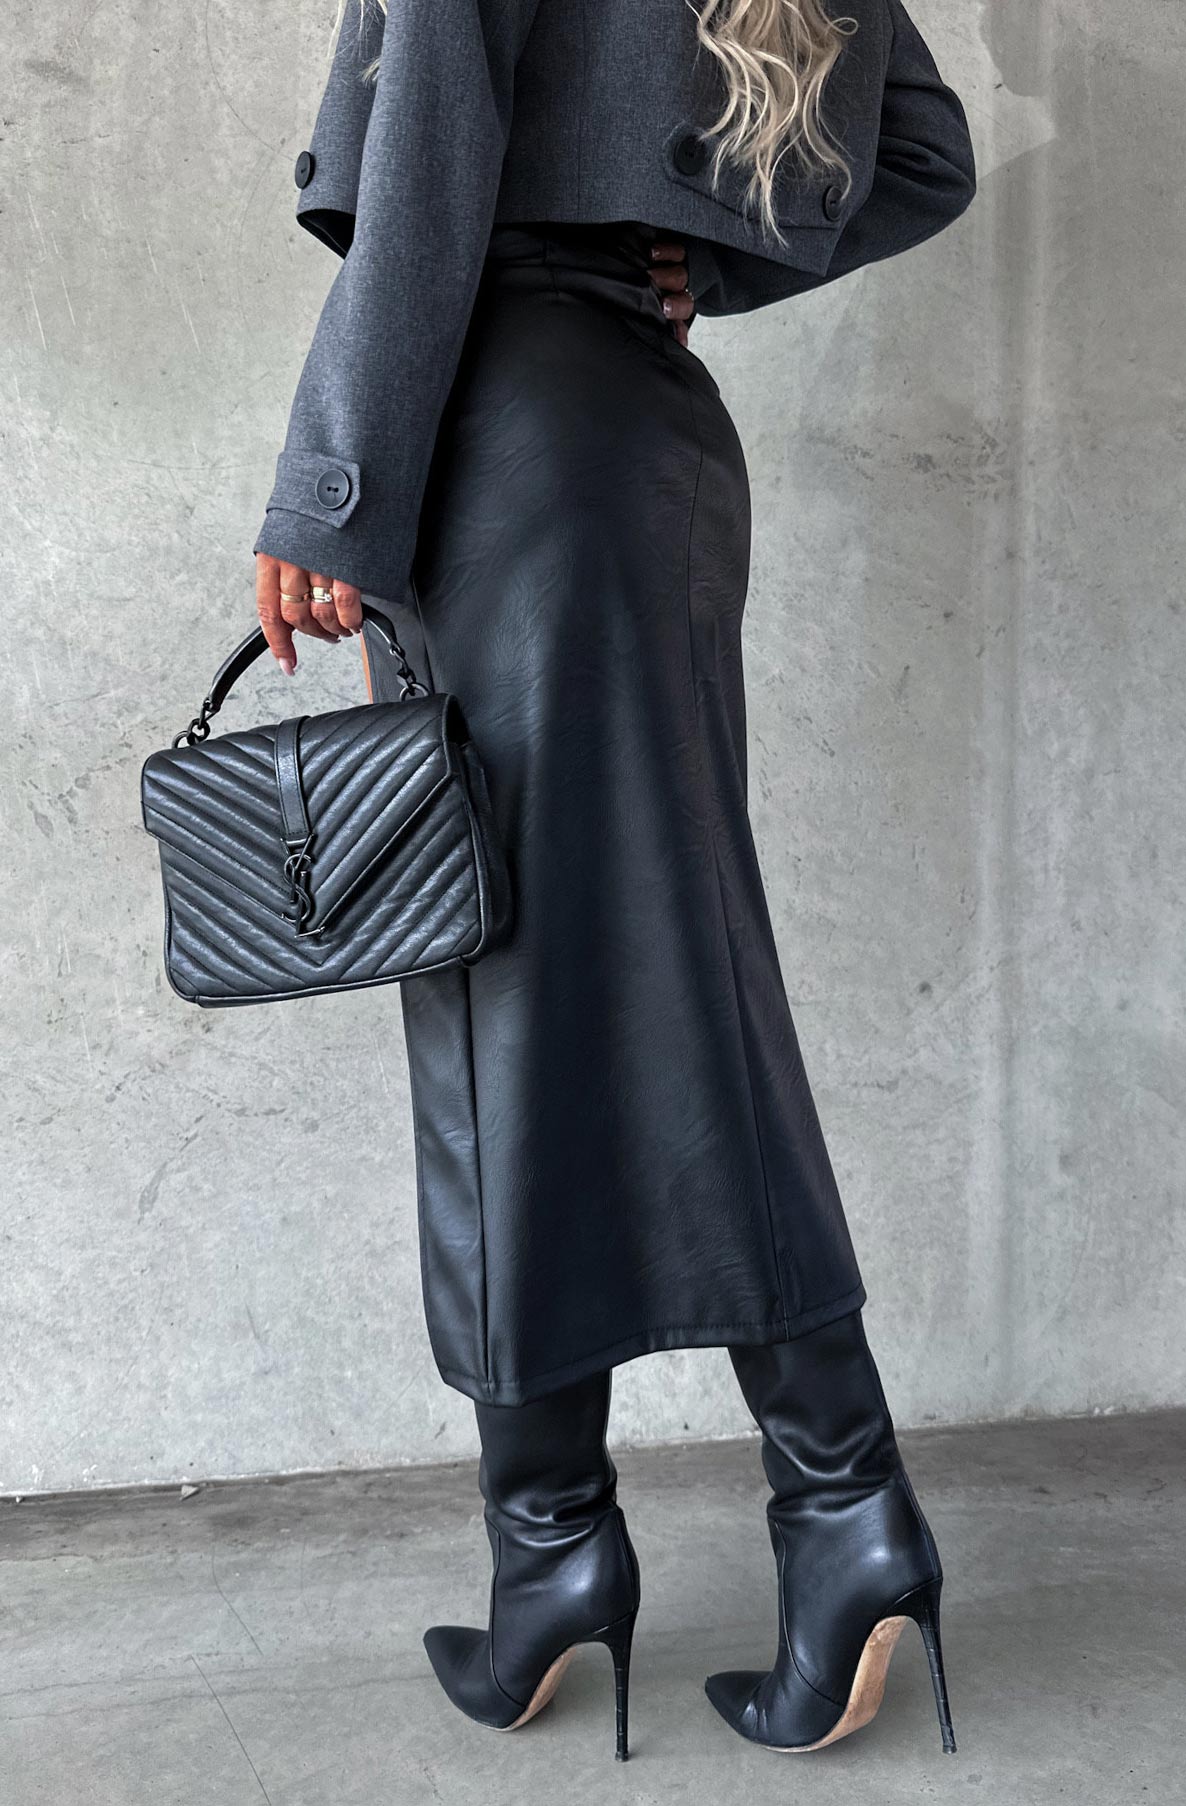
(778, 1710)
(450, 1648)
(732, 1692)
(461, 1662)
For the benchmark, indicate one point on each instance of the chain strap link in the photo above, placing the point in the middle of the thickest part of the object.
(199, 728)
(408, 678)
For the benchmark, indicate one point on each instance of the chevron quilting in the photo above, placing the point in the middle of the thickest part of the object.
(393, 852)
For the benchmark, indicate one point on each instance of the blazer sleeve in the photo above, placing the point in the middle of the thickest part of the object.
(924, 178)
(327, 173)
(351, 475)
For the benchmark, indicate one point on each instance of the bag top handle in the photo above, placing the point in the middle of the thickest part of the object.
(246, 653)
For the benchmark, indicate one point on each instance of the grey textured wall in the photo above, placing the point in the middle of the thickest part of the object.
(965, 647)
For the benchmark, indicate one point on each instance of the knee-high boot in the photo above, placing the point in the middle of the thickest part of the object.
(856, 1558)
(565, 1571)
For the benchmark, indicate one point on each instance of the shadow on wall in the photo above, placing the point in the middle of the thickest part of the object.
(1016, 34)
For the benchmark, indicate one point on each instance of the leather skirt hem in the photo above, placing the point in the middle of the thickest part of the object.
(653, 1341)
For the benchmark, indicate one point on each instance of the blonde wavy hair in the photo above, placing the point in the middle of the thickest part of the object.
(775, 57)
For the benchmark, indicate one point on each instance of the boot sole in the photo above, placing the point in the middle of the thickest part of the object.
(868, 1688)
(544, 1691)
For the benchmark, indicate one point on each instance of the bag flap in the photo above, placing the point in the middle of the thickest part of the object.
(366, 773)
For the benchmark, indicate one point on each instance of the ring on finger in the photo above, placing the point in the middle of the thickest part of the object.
(287, 596)
(321, 595)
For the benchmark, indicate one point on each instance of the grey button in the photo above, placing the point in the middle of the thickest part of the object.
(833, 201)
(690, 155)
(333, 487)
(305, 165)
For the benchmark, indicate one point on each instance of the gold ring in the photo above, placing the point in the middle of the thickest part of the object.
(321, 595)
(287, 596)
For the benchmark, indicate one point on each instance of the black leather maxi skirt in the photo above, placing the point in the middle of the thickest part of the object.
(617, 1148)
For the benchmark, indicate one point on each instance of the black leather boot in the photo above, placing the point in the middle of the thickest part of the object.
(855, 1555)
(564, 1569)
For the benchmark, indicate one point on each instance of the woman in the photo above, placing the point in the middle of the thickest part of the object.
(498, 433)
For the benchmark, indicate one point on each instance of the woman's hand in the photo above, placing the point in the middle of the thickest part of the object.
(291, 601)
(669, 274)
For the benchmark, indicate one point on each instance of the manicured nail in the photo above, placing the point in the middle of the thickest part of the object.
(288, 666)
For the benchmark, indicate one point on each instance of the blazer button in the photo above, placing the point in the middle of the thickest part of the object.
(333, 488)
(690, 155)
(305, 165)
(833, 201)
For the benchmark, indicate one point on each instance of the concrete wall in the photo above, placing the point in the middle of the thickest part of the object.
(965, 648)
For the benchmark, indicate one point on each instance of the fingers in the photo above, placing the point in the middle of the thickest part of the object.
(679, 307)
(296, 605)
(277, 632)
(342, 614)
(284, 601)
(667, 251)
(669, 277)
(349, 601)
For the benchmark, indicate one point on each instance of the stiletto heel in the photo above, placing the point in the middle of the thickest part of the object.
(923, 1607)
(617, 1638)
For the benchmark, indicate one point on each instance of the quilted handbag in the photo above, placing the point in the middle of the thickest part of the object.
(326, 852)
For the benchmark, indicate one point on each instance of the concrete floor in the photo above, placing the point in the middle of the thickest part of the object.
(262, 1641)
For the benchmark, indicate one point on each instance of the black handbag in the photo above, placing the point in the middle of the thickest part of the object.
(326, 852)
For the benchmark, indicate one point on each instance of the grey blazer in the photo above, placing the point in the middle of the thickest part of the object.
(564, 110)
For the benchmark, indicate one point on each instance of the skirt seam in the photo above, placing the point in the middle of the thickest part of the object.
(473, 1095)
(473, 1092)
(774, 1247)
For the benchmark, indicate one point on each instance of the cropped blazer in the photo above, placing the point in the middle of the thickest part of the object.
(488, 111)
